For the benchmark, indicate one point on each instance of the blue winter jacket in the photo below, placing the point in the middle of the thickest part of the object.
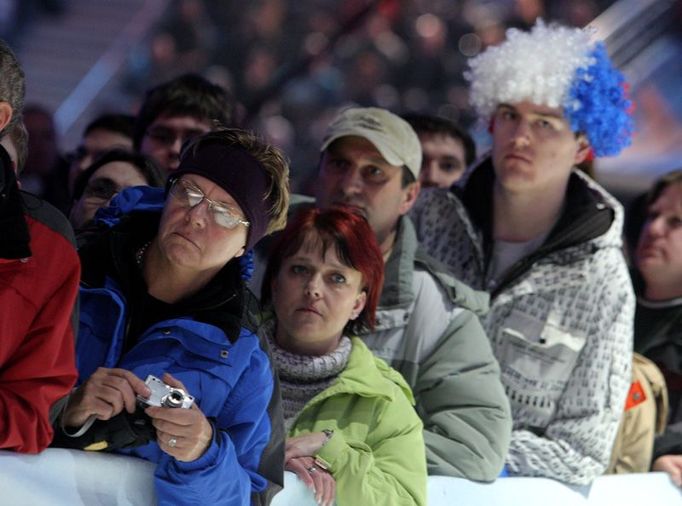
(231, 381)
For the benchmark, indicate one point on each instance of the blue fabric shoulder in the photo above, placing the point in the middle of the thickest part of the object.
(133, 199)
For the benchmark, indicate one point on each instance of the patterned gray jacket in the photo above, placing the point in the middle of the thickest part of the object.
(560, 321)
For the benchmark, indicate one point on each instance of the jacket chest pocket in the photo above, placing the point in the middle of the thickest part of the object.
(537, 359)
(205, 368)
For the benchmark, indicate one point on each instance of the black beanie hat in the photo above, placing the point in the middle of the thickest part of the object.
(237, 172)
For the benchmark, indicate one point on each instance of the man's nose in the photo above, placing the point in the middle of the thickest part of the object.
(428, 174)
(351, 182)
(521, 134)
(176, 145)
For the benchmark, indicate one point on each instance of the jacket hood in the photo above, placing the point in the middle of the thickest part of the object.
(399, 269)
(592, 218)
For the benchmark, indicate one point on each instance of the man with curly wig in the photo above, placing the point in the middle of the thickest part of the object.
(545, 242)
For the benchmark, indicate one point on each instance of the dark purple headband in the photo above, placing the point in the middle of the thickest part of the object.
(237, 172)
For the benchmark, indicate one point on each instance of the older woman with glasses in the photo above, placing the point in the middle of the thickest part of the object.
(354, 436)
(163, 296)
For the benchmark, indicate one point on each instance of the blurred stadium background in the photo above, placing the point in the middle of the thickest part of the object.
(292, 64)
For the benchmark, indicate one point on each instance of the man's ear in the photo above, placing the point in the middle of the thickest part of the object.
(583, 150)
(411, 194)
(6, 114)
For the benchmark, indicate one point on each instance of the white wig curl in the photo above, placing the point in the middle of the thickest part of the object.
(556, 66)
(537, 66)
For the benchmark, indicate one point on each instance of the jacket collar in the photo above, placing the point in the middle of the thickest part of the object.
(367, 376)
(399, 268)
(589, 214)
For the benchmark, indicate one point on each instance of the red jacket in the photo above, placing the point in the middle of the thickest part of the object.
(37, 360)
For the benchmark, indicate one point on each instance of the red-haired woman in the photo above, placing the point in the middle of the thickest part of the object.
(354, 436)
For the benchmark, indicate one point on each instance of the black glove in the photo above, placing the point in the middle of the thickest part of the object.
(124, 430)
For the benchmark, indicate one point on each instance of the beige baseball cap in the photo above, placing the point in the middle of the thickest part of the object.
(393, 137)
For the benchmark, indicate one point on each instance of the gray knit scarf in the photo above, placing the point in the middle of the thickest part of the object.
(302, 377)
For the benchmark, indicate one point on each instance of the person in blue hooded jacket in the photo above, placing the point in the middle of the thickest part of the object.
(163, 293)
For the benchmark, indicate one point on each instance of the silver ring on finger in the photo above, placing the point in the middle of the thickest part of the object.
(172, 442)
(312, 469)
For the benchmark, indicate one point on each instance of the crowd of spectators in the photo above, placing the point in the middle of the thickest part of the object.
(500, 339)
(291, 65)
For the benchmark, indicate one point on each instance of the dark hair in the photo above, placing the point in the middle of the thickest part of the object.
(12, 83)
(123, 124)
(342, 228)
(637, 211)
(145, 165)
(187, 95)
(423, 123)
(659, 186)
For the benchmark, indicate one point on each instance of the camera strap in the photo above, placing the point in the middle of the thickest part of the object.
(125, 430)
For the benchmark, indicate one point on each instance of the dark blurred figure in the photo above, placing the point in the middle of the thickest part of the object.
(15, 141)
(43, 151)
(447, 150)
(177, 111)
(105, 178)
(658, 320)
(104, 133)
(192, 33)
(47, 172)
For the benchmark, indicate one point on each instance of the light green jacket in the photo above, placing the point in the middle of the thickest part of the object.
(376, 454)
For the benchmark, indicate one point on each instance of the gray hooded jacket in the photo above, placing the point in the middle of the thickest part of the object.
(560, 321)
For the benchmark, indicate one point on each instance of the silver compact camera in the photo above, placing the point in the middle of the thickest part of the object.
(164, 395)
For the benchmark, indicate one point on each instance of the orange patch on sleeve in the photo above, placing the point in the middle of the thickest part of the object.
(636, 395)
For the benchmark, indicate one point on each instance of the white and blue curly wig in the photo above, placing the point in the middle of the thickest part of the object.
(556, 66)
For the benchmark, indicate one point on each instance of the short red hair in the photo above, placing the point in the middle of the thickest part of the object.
(355, 244)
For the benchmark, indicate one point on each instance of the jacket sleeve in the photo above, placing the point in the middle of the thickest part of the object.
(460, 398)
(576, 445)
(41, 369)
(670, 442)
(228, 472)
(391, 472)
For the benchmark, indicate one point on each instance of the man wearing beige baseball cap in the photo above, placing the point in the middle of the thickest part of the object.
(426, 325)
(388, 156)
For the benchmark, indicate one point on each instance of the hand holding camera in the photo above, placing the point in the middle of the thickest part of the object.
(182, 433)
(165, 395)
(104, 395)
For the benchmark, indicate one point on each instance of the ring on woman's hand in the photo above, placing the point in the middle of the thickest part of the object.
(312, 469)
(172, 442)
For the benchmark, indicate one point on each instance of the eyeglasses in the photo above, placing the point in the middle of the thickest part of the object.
(191, 196)
(167, 136)
(101, 189)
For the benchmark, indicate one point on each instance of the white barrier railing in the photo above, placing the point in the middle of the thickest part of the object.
(66, 477)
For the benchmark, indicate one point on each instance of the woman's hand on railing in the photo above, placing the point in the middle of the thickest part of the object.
(320, 481)
(305, 445)
(671, 464)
